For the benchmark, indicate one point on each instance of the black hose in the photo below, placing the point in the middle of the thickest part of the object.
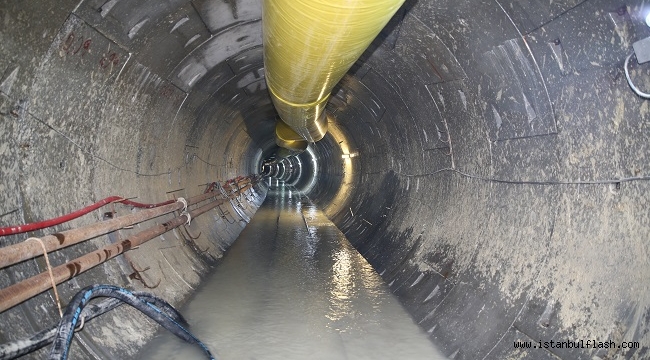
(41, 339)
(73, 314)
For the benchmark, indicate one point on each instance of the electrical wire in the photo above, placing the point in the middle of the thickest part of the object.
(19, 229)
(629, 79)
(41, 339)
(49, 270)
(72, 315)
(195, 155)
(533, 182)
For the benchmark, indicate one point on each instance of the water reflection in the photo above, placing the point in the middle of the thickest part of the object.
(292, 287)
(342, 286)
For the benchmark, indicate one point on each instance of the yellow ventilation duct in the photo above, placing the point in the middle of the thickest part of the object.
(308, 46)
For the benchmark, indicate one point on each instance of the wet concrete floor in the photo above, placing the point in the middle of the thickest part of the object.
(292, 287)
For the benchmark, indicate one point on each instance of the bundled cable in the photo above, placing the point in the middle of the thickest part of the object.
(41, 339)
(158, 310)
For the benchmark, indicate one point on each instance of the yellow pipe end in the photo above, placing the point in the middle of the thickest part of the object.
(286, 138)
(306, 120)
(286, 133)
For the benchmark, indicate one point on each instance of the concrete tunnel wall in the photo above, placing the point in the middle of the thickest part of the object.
(457, 111)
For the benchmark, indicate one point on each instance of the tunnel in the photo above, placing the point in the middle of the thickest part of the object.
(486, 157)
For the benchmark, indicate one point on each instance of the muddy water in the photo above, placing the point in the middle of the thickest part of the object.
(292, 287)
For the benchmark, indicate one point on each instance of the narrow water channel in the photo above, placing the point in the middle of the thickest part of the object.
(292, 287)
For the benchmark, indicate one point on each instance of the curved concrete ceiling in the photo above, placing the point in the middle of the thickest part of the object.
(500, 186)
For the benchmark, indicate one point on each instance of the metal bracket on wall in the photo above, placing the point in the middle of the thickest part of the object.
(224, 215)
(136, 276)
(642, 50)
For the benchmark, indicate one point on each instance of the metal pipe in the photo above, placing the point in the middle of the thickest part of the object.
(22, 251)
(28, 288)
(308, 46)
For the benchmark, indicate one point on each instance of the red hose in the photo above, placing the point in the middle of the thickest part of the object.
(19, 229)
(12, 230)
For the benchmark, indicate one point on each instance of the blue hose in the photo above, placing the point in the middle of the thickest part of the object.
(68, 322)
(43, 338)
